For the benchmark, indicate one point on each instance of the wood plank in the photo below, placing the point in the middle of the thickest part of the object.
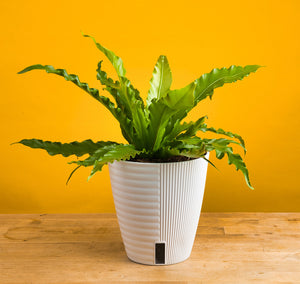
(88, 248)
(60, 216)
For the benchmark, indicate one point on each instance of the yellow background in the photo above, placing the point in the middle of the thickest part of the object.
(196, 36)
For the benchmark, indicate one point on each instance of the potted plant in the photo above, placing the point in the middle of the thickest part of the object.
(158, 178)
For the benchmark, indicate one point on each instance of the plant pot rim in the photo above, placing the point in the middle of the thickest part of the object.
(153, 163)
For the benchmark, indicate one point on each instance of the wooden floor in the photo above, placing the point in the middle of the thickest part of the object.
(87, 248)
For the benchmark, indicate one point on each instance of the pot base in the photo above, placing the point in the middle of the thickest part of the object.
(155, 264)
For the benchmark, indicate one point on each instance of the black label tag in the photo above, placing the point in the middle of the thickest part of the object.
(160, 253)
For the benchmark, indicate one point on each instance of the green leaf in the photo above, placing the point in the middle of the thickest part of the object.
(189, 141)
(172, 131)
(74, 79)
(206, 84)
(210, 163)
(102, 77)
(220, 146)
(188, 146)
(69, 77)
(98, 154)
(174, 126)
(161, 110)
(182, 101)
(127, 97)
(188, 150)
(108, 154)
(192, 128)
(226, 133)
(133, 107)
(131, 104)
(140, 123)
(161, 80)
(117, 63)
(71, 174)
(159, 114)
(237, 160)
(66, 149)
(120, 152)
(181, 98)
(115, 60)
(125, 123)
(194, 152)
(125, 94)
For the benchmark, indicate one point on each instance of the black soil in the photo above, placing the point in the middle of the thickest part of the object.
(159, 160)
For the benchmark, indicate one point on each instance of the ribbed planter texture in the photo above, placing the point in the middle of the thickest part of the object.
(158, 207)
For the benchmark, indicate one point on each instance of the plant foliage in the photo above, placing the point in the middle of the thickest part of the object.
(155, 129)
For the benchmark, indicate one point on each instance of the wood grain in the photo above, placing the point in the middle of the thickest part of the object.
(87, 248)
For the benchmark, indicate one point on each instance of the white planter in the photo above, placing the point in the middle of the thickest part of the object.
(158, 208)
